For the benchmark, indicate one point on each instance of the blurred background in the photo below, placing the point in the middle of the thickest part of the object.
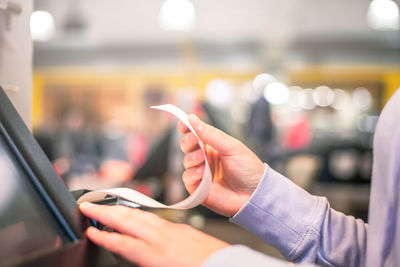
(302, 83)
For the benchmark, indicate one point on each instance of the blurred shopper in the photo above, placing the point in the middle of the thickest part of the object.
(260, 127)
(115, 166)
(303, 227)
(260, 123)
(75, 145)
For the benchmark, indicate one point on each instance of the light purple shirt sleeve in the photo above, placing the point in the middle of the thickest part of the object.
(305, 229)
(301, 226)
(239, 256)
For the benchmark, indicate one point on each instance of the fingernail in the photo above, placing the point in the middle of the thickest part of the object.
(195, 121)
(92, 230)
(85, 205)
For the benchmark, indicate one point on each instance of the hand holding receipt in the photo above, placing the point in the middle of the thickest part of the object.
(221, 173)
(136, 197)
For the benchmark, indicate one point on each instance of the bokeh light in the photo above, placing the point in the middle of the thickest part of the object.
(362, 98)
(42, 26)
(341, 99)
(383, 15)
(306, 100)
(219, 93)
(323, 96)
(177, 15)
(276, 93)
(261, 81)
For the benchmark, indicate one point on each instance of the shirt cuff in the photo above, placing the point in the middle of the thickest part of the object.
(280, 213)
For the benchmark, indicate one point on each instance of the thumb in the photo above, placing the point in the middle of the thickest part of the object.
(214, 137)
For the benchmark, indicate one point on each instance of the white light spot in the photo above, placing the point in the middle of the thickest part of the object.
(362, 98)
(341, 99)
(276, 93)
(219, 93)
(306, 100)
(42, 26)
(261, 81)
(294, 97)
(177, 15)
(383, 15)
(323, 96)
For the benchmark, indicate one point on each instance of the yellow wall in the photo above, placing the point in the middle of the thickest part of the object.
(383, 80)
(392, 83)
(133, 81)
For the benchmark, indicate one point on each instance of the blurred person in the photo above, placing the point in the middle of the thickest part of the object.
(260, 123)
(114, 164)
(260, 127)
(303, 227)
(75, 144)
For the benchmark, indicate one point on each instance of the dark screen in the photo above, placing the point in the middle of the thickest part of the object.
(26, 224)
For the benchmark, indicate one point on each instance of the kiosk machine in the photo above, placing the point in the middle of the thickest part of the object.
(40, 224)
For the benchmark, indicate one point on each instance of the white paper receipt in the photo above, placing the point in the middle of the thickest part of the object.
(136, 197)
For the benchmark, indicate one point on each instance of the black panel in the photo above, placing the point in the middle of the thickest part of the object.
(39, 164)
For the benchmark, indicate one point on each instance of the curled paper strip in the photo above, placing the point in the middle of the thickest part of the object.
(196, 198)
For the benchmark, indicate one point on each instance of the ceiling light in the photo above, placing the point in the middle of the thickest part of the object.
(383, 15)
(42, 26)
(177, 15)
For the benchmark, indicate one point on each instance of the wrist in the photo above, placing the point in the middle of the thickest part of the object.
(245, 197)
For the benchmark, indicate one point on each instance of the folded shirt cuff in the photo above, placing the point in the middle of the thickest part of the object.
(280, 213)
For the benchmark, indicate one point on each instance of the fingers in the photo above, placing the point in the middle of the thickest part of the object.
(128, 247)
(214, 137)
(192, 177)
(189, 142)
(193, 158)
(125, 220)
(182, 128)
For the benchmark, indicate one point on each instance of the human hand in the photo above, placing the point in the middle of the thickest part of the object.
(147, 240)
(236, 169)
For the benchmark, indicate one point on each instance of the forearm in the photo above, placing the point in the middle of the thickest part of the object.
(303, 227)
